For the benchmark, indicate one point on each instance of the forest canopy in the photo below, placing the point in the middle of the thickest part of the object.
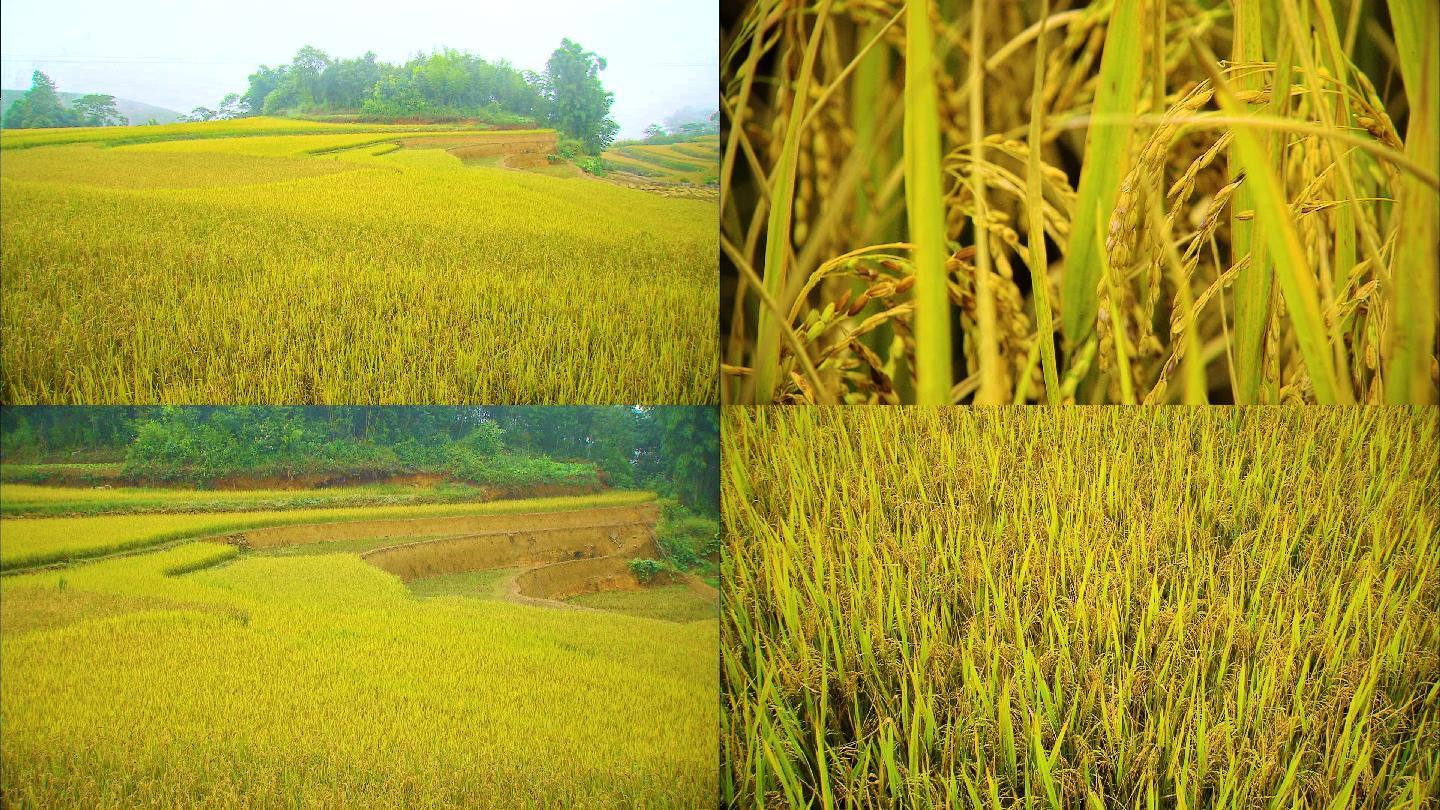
(671, 450)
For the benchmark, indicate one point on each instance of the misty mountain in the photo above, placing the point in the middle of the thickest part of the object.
(138, 112)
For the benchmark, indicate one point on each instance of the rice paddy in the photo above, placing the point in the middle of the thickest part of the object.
(1127, 201)
(295, 262)
(207, 674)
(694, 162)
(1113, 607)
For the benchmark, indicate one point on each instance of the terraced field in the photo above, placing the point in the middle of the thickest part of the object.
(694, 162)
(338, 682)
(414, 261)
(27, 542)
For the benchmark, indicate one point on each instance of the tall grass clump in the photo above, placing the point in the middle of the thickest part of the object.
(1108, 201)
(1104, 607)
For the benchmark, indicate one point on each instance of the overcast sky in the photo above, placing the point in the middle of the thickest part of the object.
(662, 54)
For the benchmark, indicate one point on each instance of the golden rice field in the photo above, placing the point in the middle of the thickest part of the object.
(321, 681)
(277, 261)
(1064, 608)
(1093, 201)
(31, 541)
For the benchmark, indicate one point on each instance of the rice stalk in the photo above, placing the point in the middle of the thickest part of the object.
(923, 206)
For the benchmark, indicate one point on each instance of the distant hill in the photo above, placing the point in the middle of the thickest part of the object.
(137, 112)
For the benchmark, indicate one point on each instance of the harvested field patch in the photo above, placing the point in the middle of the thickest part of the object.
(672, 603)
(492, 583)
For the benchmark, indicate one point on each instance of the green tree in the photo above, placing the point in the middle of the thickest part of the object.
(96, 110)
(612, 444)
(579, 103)
(262, 83)
(691, 443)
(231, 106)
(39, 107)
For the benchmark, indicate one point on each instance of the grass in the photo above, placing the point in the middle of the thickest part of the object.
(33, 541)
(25, 500)
(1080, 144)
(1112, 607)
(234, 234)
(335, 686)
(473, 584)
(671, 603)
(98, 473)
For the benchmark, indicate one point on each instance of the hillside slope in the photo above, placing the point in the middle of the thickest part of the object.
(137, 111)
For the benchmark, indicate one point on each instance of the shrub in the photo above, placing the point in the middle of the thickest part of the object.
(684, 538)
(646, 570)
(513, 471)
(487, 438)
(570, 148)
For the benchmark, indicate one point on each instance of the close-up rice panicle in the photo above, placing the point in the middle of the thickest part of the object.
(1081, 607)
(1226, 202)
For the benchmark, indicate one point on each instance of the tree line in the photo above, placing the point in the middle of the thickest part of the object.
(447, 83)
(674, 450)
(41, 106)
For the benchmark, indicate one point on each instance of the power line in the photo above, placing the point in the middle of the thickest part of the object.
(166, 60)
(121, 60)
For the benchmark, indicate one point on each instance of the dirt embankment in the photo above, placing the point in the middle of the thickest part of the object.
(323, 480)
(541, 547)
(564, 554)
(453, 526)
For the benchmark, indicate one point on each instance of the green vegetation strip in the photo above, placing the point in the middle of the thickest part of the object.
(53, 473)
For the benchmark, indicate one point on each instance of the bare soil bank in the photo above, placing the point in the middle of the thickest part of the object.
(453, 526)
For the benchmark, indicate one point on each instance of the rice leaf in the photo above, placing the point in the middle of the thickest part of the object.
(1106, 148)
